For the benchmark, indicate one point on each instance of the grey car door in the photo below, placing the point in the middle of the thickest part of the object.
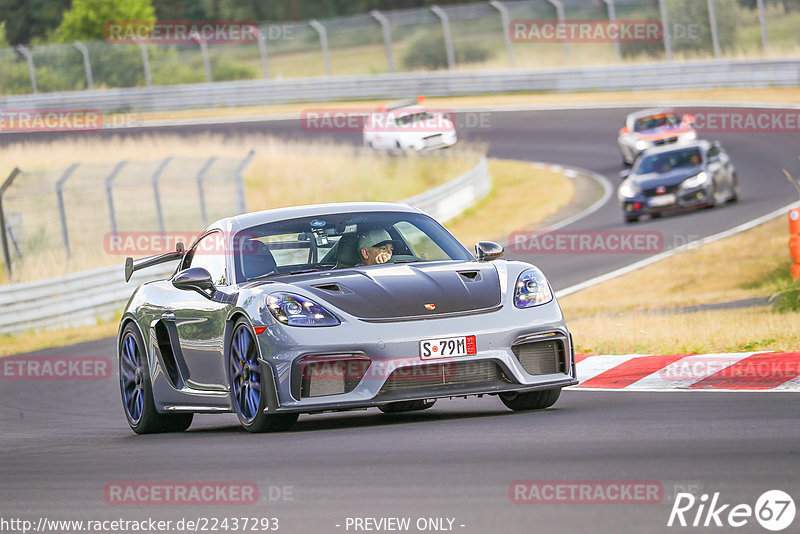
(200, 318)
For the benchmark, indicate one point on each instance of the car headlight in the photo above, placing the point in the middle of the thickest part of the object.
(294, 310)
(628, 190)
(688, 136)
(695, 181)
(532, 289)
(641, 144)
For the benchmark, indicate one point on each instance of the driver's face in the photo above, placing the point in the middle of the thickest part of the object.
(377, 255)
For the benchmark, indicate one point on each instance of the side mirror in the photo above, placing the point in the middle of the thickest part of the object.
(624, 173)
(488, 251)
(195, 278)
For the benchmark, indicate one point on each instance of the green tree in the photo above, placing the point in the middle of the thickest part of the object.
(31, 20)
(86, 19)
(3, 39)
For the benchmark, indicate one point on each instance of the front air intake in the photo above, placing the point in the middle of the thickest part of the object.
(442, 374)
(541, 357)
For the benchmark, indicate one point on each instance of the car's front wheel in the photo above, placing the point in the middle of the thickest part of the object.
(534, 400)
(248, 388)
(137, 390)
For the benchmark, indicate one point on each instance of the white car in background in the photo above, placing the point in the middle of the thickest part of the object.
(408, 125)
(651, 128)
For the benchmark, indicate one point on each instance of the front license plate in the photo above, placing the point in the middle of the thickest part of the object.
(662, 200)
(447, 347)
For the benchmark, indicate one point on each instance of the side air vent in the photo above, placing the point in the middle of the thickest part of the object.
(470, 276)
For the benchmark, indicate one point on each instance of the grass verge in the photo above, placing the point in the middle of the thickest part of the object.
(630, 314)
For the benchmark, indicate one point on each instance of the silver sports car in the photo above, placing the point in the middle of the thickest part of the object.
(335, 307)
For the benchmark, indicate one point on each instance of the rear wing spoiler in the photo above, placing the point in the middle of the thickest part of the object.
(131, 265)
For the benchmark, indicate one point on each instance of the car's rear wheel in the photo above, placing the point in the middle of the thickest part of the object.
(137, 390)
(406, 406)
(734, 198)
(534, 400)
(248, 388)
(631, 219)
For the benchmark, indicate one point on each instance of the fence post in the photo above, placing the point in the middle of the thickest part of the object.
(612, 16)
(242, 204)
(61, 208)
(110, 196)
(762, 17)
(262, 51)
(506, 29)
(204, 52)
(712, 22)
(662, 6)
(323, 40)
(3, 229)
(200, 193)
(148, 77)
(561, 19)
(31, 68)
(156, 176)
(87, 65)
(448, 36)
(387, 36)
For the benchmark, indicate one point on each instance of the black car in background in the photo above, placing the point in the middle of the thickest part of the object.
(665, 179)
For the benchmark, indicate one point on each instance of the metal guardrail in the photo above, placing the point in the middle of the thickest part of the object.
(81, 299)
(627, 77)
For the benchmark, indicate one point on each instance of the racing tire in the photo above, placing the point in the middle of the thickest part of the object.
(137, 389)
(734, 198)
(534, 400)
(248, 385)
(630, 220)
(406, 406)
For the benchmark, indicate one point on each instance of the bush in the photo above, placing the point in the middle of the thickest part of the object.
(691, 18)
(427, 51)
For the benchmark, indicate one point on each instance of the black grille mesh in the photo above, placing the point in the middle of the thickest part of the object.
(440, 374)
(541, 357)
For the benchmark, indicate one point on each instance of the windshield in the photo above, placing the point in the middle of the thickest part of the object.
(662, 163)
(340, 241)
(662, 120)
(413, 117)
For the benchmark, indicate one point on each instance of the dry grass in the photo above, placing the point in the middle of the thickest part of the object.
(282, 173)
(31, 341)
(772, 94)
(743, 330)
(612, 317)
(502, 212)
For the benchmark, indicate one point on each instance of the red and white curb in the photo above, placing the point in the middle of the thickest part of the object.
(741, 371)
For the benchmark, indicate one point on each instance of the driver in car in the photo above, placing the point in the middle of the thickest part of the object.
(375, 247)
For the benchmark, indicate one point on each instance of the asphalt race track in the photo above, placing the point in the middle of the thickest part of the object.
(63, 442)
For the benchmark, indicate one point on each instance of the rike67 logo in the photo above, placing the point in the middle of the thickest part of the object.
(774, 510)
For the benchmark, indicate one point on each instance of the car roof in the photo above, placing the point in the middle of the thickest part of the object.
(648, 112)
(702, 144)
(247, 220)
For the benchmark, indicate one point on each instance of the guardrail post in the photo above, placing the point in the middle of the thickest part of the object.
(262, 51)
(110, 196)
(3, 229)
(62, 212)
(662, 6)
(561, 20)
(31, 68)
(612, 16)
(200, 193)
(242, 204)
(87, 65)
(448, 36)
(387, 36)
(712, 22)
(156, 176)
(204, 52)
(148, 76)
(323, 41)
(762, 18)
(506, 29)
